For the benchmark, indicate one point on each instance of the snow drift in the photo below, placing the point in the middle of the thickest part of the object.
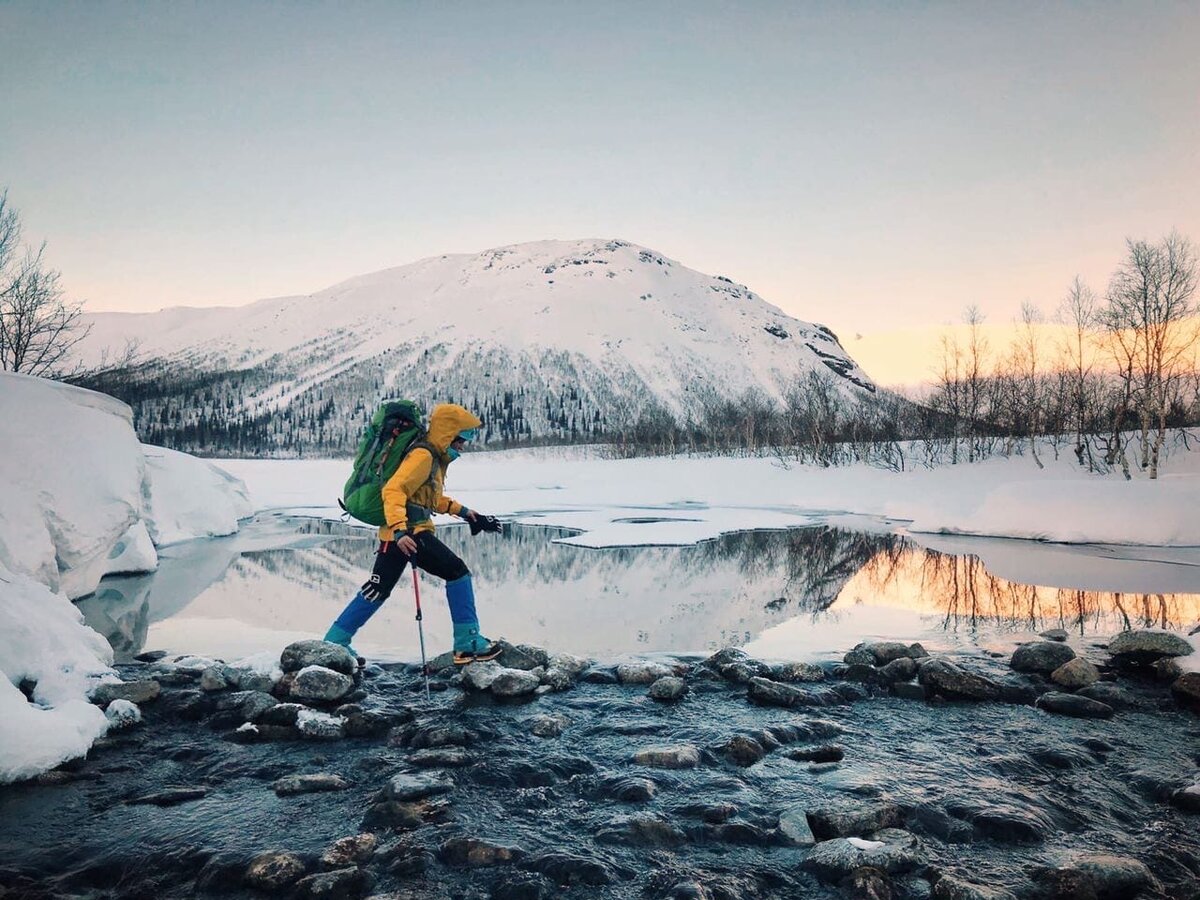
(82, 498)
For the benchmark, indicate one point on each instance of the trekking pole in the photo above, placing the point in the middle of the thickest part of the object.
(421, 631)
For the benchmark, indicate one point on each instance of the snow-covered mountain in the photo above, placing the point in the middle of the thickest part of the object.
(547, 339)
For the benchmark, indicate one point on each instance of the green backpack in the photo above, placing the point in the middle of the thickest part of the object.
(394, 428)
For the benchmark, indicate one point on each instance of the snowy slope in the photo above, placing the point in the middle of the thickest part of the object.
(617, 324)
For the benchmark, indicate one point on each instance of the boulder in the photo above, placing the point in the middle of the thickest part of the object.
(1074, 705)
(629, 789)
(1186, 690)
(644, 830)
(1187, 799)
(772, 693)
(847, 818)
(1042, 657)
(134, 691)
(1055, 634)
(248, 705)
(216, 678)
(274, 871)
(122, 714)
(1095, 876)
(302, 654)
(319, 726)
(1141, 648)
(898, 670)
(340, 884)
(952, 887)
(794, 829)
(521, 656)
(743, 751)
(514, 683)
(736, 665)
(480, 675)
(321, 684)
(885, 652)
(793, 672)
(474, 853)
(1167, 668)
(349, 851)
(309, 784)
(668, 689)
(1109, 694)
(1077, 673)
(407, 787)
(859, 656)
(642, 672)
(679, 756)
(835, 859)
(944, 678)
(441, 758)
(547, 726)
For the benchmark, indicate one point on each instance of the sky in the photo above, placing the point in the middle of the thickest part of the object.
(870, 166)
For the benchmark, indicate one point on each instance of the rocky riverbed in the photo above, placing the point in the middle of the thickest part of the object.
(890, 775)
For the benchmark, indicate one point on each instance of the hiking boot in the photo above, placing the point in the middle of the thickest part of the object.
(466, 657)
(341, 637)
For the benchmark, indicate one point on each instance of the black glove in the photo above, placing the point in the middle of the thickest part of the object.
(485, 523)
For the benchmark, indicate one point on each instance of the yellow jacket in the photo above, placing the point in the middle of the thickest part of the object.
(414, 492)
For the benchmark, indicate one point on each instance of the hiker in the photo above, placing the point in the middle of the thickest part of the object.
(410, 497)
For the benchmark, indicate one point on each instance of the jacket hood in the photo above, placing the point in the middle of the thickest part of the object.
(446, 421)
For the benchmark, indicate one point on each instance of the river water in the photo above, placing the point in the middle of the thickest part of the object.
(804, 593)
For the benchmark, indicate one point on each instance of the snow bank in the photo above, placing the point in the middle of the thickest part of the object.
(45, 645)
(82, 498)
(191, 498)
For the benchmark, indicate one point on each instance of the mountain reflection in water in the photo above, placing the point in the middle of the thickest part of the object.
(798, 593)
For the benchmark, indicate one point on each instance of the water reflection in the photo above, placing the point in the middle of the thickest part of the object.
(796, 593)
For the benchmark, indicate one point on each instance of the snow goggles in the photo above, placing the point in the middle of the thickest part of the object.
(469, 434)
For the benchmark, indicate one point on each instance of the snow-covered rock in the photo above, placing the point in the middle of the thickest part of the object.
(190, 498)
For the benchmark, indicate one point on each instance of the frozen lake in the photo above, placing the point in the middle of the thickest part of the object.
(800, 593)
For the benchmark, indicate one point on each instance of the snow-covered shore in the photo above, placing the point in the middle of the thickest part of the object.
(81, 499)
(682, 500)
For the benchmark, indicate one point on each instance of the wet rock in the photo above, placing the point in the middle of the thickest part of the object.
(1055, 634)
(246, 679)
(741, 833)
(215, 678)
(866, 884)
(642, 672)
(907, 691)
(419, 736)
(151, 656)
(1095, 876)
(852, 817)
(861, 672)
(340, 884)
(522, 656)
(480, 675)
(1074, 705)
(1004, 822)
(1061, 756)
(1167, 668)
(319, 726)
(1077, 673)
(282, 714)
(736, 665)
(441, 758)
(933, 820)
(1042, 657)
(833, 860)
(859, 656)
(600, 675)
(557, 678)
(400, 815)
(630, 789)
(272, 733)
(321, 684)
(951, 887)
(222, 873)
(794, 830)
(772, 693)
(274, 871)
(668, 689)
(743, 751)
(303, 654)
(885, 652)
(1110, 695)
(822, 754)
(797, 672)
(548, 725)
(898, 670)
(247, 705)
(308, 784)
(170, 797)
(134, 691)
(352, 850)
(1186, 690)
(712, 813)
(122, 714)
(641, 831)
(1141, 648)
(944, 678)
(1187, 799)
(514, 683)
(372, 722)
(910, 887)
(689, 890)
(522, 887)
(408, 787)
(679, 756)
(474, 853)
(572, 665)
(569, 869)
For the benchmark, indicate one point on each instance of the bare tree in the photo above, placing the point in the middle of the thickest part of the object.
(1078, 313)
(38, 326)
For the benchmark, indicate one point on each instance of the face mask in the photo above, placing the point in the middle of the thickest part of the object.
(453, 454)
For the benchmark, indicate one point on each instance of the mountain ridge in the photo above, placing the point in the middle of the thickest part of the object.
(557, 337)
